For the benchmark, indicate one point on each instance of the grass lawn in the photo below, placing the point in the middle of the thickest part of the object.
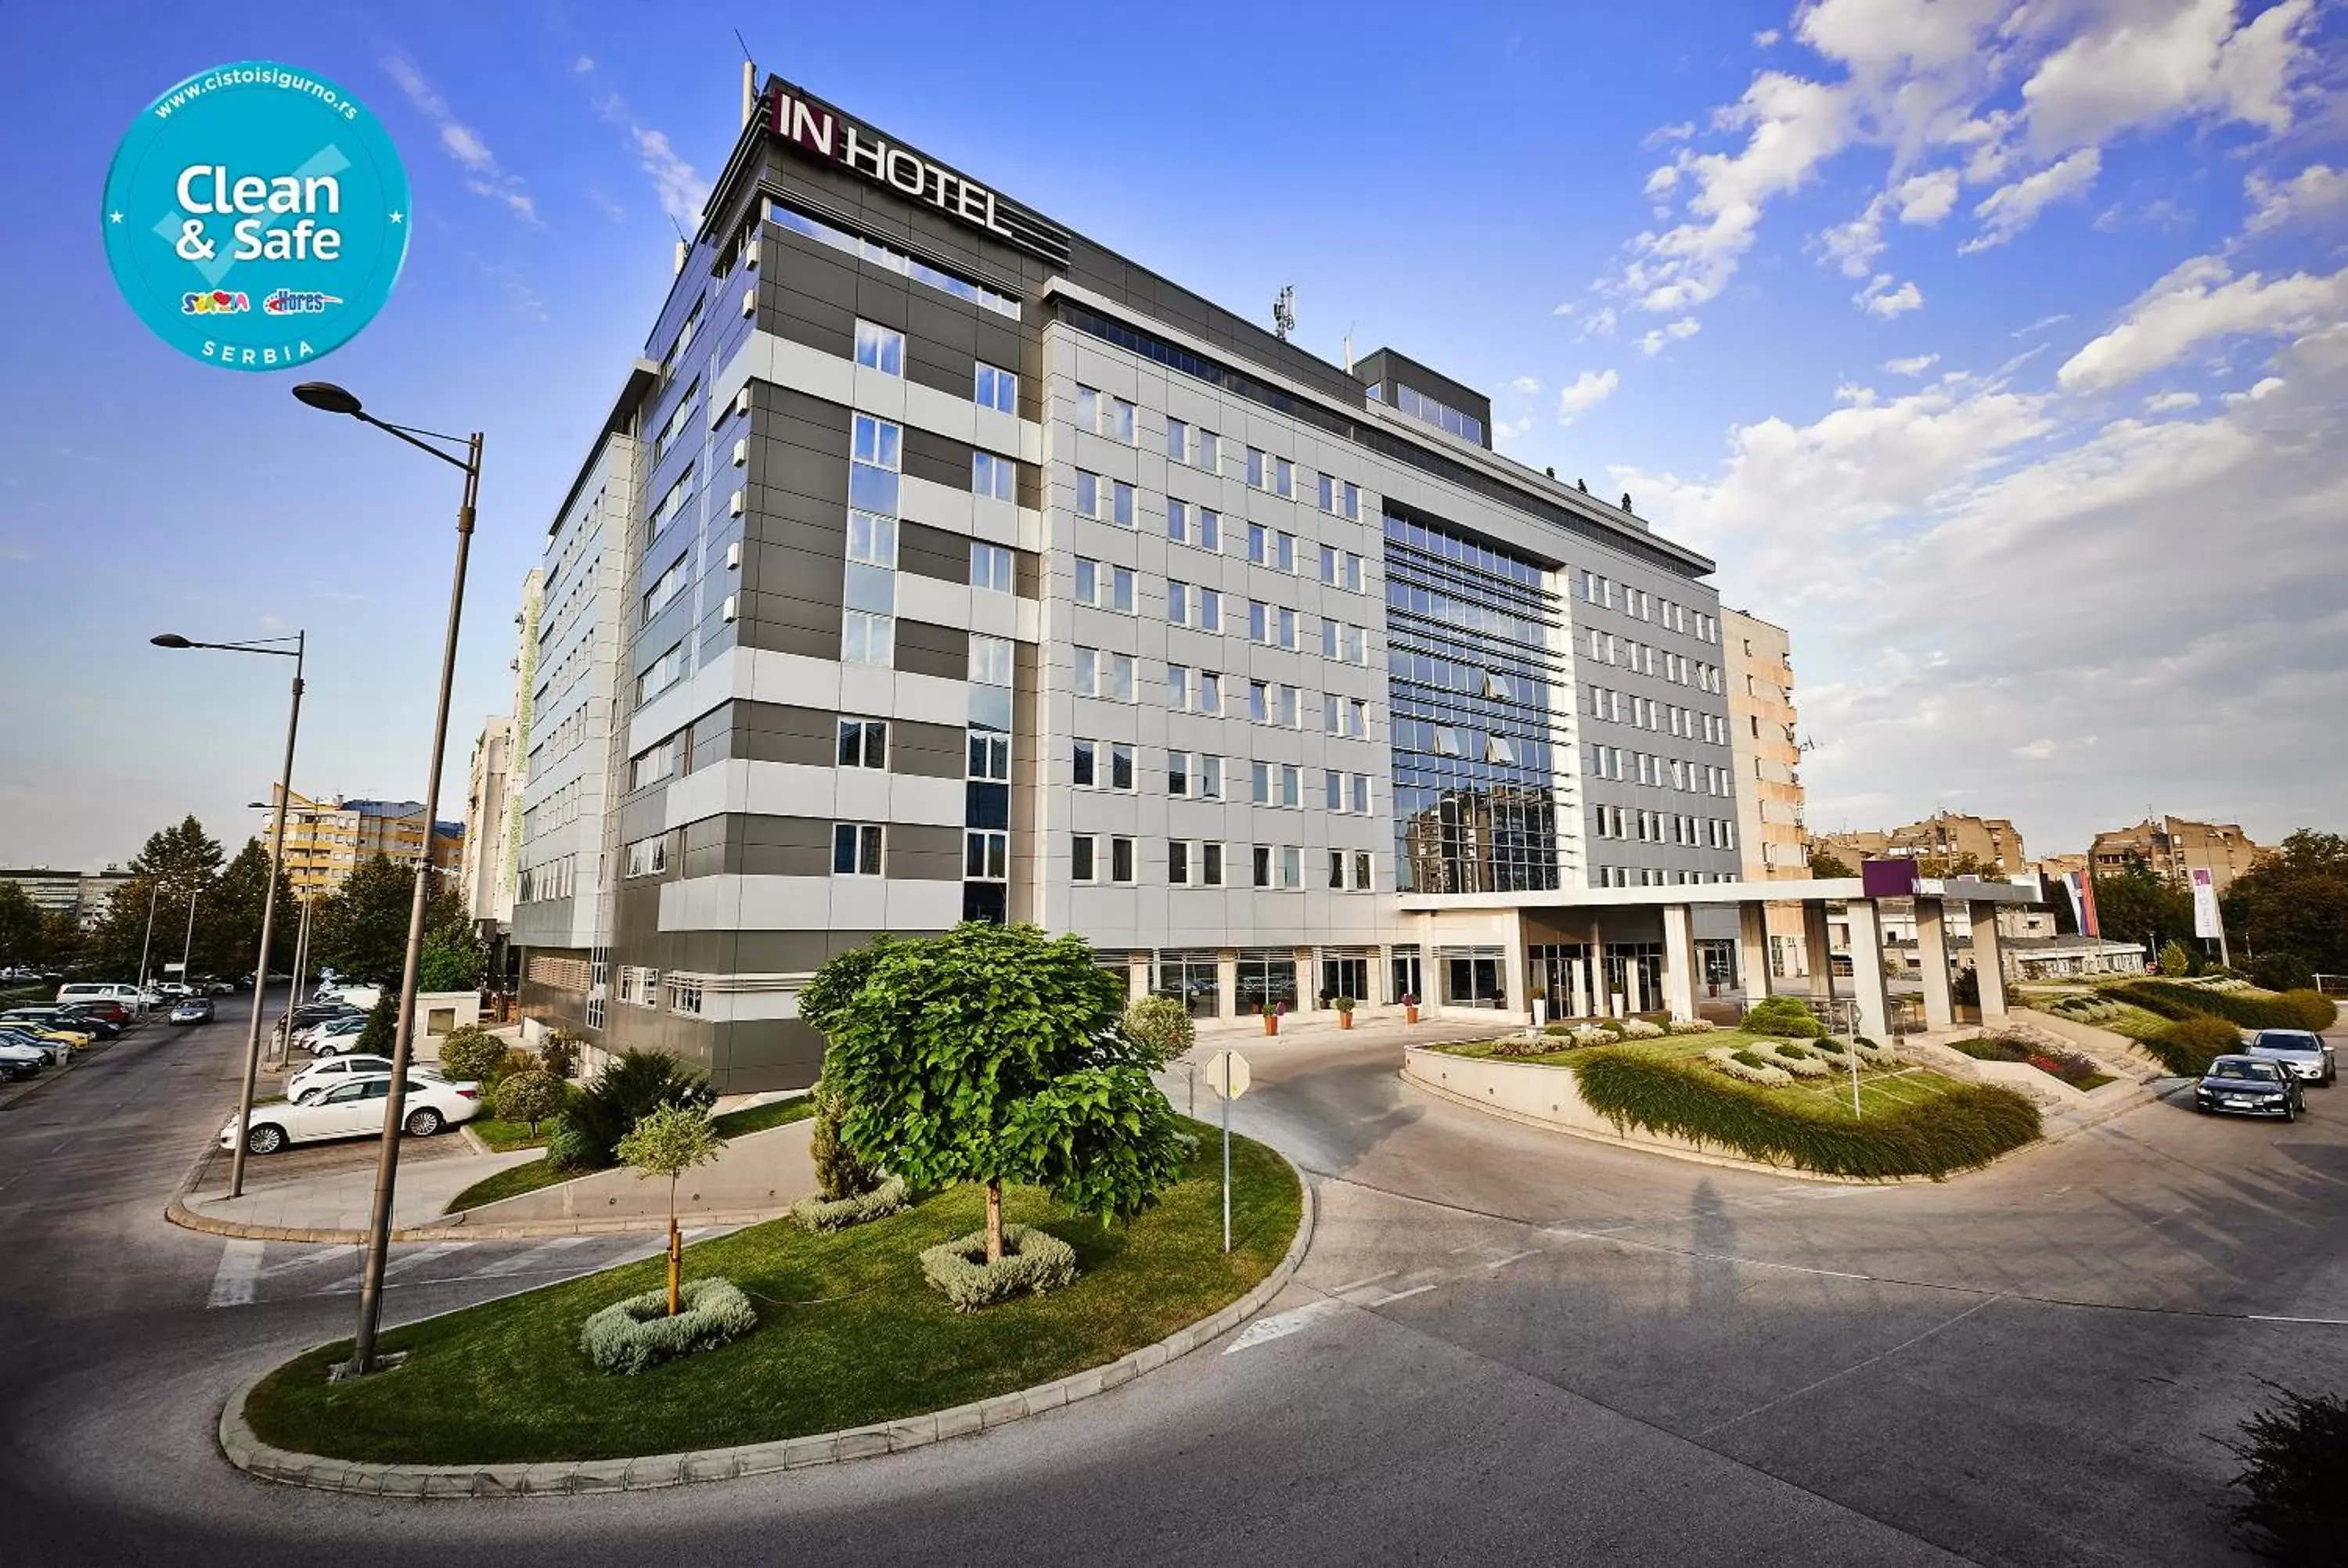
(510, 1182)
(1880, 1089)
(849, 1333)
(502, 1136)
(516, 1179)
(759, 1118)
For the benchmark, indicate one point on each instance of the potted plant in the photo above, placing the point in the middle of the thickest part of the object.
(1410, 1009)
(1270, 1017)
(1344, 1006)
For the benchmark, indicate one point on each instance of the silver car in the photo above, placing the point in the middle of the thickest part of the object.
(2300, 1052)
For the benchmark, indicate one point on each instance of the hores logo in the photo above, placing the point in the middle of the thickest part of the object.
(830, 135)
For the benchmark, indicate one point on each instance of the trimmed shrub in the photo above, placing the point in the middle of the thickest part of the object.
(1787, 1017)
(557, 1052)
(2188, 1046)
(1640, 1029)
(628, 1336)
(2315, 1010)
(2236, 1004)
(1524, 1045)
(622, 1094)
(1690, 1026)
(2282, 971)
(841, 1172)
(1968, 1124)
(2295, 1467)
(565, 1149)
(2173, 960)
(816, 1214)
(472, 1055)
(1033, 1261)
(531, 1096)
(1798, 1061)
(1592, 1034)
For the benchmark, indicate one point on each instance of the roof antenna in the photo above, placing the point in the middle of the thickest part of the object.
(749, 80)
(1284, 312)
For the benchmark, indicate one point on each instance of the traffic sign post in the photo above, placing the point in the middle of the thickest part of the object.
(1226, 1075)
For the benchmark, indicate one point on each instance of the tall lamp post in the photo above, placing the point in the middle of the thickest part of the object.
(300, 640)
(327, 397)
(283, 1036)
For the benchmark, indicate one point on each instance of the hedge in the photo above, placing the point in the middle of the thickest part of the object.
(632, 1335)
(1033, 1261)
(1968, 1124)
(2290, 1010)
(2190, 1045)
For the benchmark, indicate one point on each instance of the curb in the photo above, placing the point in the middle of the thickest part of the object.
(455, 1229)
(577, 1478)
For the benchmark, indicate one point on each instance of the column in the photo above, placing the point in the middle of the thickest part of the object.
(1514, 971)
(1679, 961)
(1753, 950)
(1989, 961)
(1585, 984)
(1136, 976)
(1932, 950)
(1226, 983)
(1308, 983)
(1867, 970)
(1819, 945)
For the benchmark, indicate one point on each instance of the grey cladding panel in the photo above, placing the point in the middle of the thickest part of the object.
(933, 552)
(940, 459)
(917, 852)
(926, 649)
(928, 751)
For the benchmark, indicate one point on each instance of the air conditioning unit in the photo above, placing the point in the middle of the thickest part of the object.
(742, 401)
(749, 302)
(734, 506)
(733, 606)
(741, 453)
(734, 556)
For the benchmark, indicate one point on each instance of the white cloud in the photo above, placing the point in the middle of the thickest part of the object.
(1766, 38)
(1661, 181)
(1880, 299)
(2200, 302)
(2170, 402)
(2313, 191)
(1590, 389)
(681, 190)
(2010, 209)
(1853, 246)
(2267, 387)
(2144, 66)
(1915, 366)
(1564, 309)
(1525, 384)
(1510, 429)
(1653, 343)
(462, 142)
(1928, 198)
(1665, 133)
(1842, 528)
(2041, 325)
(584, 65)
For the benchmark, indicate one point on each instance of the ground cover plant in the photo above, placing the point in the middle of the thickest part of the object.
(2077, 1070)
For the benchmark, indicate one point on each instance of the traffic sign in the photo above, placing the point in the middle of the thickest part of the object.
(1226, 1074)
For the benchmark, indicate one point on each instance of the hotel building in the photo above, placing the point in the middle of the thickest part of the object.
(936, 563)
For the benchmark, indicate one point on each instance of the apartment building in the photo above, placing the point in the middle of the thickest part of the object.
(1763, 735)
(935, 563)
(2176, 847)
(481, 862)
(327, 838)
(1946, 836)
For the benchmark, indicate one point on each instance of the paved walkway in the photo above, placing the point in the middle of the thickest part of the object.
(342, 1198)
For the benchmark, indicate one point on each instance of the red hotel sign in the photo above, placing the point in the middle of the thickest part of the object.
(831, 136)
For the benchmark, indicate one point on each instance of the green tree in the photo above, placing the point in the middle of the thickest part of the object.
(531, 1097)
(991, 1054)
(840, 1172)
(376, 1035)
(1826, 864)
(631, 1085)
(61, 939)
(471, 1054)
(361, 929)
(228, 922)
(2173, 960)
(2294, 903)
(20, 925)
(669, 1141)
(175, 862)
(2138, 904)
(452, 959)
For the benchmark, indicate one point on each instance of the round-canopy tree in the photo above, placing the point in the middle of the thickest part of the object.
(991, 1054)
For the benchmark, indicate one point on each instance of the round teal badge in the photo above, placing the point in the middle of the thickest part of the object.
(256, 216)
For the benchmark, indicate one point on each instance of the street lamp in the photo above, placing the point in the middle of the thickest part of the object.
(269, 897)
(284, 1037)
(325, 396)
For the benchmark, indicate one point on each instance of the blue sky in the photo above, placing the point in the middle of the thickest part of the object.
(2000, 352)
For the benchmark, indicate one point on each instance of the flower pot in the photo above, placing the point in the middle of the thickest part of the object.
(1344, 1020)
(1410, 1015)
(1272, 1023)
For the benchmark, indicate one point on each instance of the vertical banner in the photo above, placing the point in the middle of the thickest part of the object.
(2082, 889)
(2205, 903)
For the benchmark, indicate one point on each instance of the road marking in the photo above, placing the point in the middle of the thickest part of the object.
(240, 1265)
(322, 1254)
(1279, 1325)
(1504, 1262)
(2269, 1318)
(1372, 1279)
(1398, 1295)
(399, 1264)
(518, 1262)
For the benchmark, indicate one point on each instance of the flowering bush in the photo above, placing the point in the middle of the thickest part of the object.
(1746, 1065)
(632, 1335)
(1640, 1029)
(1592, 1034)
(1032, 1261)
(819, 1214)
(1795, 1060)
(1690, 1026)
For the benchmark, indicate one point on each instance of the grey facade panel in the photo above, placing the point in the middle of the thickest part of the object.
(928, 751)
(940, 459)
(933, 552)
(926, 649)
(918, 852)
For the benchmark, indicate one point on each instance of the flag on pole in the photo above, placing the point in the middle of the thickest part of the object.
(2082, 889)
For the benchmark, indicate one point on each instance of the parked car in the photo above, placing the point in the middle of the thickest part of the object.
(21, 1060)
(70, 1037)
(52, 1051)
(125, 996)
(354, 1109)
(333, 1036)
(54, 1017)
(111, 1012)
(217, 988)
(2249, 1086)
(352, 995)
(174, 990)
(328, 1070)
(87, 1016)
(2301, 1052)
(309, 1015)
(192, 1010)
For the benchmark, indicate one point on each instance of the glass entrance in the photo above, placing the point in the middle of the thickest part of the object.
(1193, 978)
(1344, 974)
(1559, 975)
(1266, 975)
(1474, 978)
(1405, 977)
(1634, 971)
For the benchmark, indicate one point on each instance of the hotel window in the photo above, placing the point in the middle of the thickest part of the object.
(652, 765)
(990, 660)
(1255, 467)
(1211, 452)
(661, 674)
(998, 389)
(993, 477)
(1259, 544)
(879, 348)
(679, 417)
(684, 997)
(1104, 414)
(990, 567)
(1328, 492)
(1362, 874)
(1084, 857)
(672, 506)
(664, 589)
(864, 743)
(856, 849)
(1199, 525)
(1099, 674)
(1178, 863)
(1120, 859)
(648, 856)
(1333, 790)
(1260, 701)
(865, 638)
(1262, 866)
(989, 756)
(1211, 692)
(1283, 478)
(1178, 440)
(1106, 587)
(638, 987)
(1361, 793)
(1289, 709)
(1337, 859)
(876, 450)
(1292, 865)
(683, 339)
(986, 855)
(1358, 645)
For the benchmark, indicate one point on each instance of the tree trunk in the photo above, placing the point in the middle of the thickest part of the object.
(676, 1255)
(994, 1221)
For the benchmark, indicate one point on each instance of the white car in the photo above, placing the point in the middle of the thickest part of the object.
(354, 1109)
(21, 1061)
(332, 1070)
(336, 1034)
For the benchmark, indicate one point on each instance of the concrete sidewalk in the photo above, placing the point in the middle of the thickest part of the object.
(336, 1202)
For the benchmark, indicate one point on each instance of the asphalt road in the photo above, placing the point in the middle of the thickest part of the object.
(1506, 1346)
